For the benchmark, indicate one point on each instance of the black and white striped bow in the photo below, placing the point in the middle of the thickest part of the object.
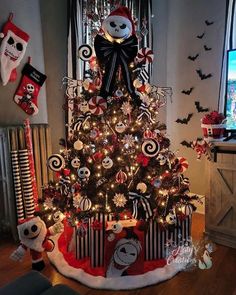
(112, 55)
(145, 112)
(64, 184)
(81, 120)
(144, 200)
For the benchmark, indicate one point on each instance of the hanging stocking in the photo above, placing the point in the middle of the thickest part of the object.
(26, 95)
(12, 50)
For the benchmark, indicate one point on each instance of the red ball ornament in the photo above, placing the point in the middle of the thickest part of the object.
(121, 177)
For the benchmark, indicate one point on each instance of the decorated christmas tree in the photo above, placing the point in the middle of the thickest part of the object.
(116, 161)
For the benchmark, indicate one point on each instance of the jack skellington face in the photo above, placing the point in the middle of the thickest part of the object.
(30, 88)
(14, 47)
(83, 173)
(117, 27)
(126, 251)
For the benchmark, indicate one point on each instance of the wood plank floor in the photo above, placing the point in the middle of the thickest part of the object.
(220, 279)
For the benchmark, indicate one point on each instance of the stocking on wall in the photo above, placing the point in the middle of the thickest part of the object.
(12, 50)
(26, 95)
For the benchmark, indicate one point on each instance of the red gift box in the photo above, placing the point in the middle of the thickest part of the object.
(124, 252)
(213, 130)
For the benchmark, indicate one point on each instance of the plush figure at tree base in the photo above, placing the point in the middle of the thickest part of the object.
(117, 49)
(34, 235)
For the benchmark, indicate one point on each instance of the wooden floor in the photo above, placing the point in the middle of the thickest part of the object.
(220, 279)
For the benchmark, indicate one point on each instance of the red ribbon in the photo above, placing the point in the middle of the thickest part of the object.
(143, 160)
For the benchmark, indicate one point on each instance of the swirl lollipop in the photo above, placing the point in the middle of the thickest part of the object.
(56, 162)
(85, 52)
(150, 148)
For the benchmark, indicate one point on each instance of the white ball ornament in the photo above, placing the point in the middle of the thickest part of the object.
(107, 163)
(142, 187)
(171, 218)
(78, 145)
(85, 204)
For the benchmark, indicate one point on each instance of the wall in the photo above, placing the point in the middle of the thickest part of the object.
(54, 27)
(186, 20)
(27, 17)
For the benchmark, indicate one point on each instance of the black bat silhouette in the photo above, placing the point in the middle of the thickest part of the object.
(208, 23)
(203, 76)
(199, 108)
(186, 143)
(187, 92)
(207, 48)
(193, 57)
(184, 120)
(201, 36)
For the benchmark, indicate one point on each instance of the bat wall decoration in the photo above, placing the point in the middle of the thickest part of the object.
(192, 58)
(201, 36)
(187, 92)
(203, 76)
(207, 48)
(199, 108)
(186, 143)
(208, 23)
(184, 120)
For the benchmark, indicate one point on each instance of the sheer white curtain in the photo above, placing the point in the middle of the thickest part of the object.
(229, 43)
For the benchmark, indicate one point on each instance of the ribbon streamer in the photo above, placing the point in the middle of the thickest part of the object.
(64, 185)
(136, 198)
(82, 119)
(145, 112)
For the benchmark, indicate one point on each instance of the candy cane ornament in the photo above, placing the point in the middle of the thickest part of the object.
(183, 164)
(145, 55)
(97, 105)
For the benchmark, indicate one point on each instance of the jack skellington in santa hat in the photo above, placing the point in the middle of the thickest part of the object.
(117, 48)
(126, 252)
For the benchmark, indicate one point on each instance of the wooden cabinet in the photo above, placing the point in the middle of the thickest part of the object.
(221, 198)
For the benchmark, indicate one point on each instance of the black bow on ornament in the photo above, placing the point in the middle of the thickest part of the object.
(113, 55)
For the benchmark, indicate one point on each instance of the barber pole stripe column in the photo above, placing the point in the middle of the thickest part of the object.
(17, 185)
(82, 244)
(26, 183)
(157, 238)
(97, 239)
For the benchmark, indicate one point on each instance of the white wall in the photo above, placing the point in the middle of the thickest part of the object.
(186, 19)
(27, 17)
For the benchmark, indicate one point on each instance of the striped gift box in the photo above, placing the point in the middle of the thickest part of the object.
(97, 240)
(82, 242)
(157, 238)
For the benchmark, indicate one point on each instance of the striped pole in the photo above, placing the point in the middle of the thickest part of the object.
(26, 183)
(17, 185)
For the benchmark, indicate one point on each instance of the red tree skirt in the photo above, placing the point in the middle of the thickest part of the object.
(80, 270)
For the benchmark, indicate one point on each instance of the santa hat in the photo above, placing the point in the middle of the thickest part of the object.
(125, 15)
(9, 26)
(22, 221)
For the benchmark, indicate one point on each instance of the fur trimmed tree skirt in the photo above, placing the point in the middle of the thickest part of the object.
(80, 270)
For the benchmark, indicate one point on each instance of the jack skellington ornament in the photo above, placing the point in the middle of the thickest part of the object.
(12, 50)
(117, 48)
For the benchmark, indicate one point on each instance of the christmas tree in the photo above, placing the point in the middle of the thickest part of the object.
(117, 158)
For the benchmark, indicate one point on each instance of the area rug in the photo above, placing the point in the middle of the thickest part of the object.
(57, 258)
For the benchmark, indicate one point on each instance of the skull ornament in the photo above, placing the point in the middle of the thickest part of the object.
(120, 127)
(84, 107)
(75, 163)
(161, 159)
(83, 173)
(30, 88)
(107, 163)
(117, 228)
(171, 218)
